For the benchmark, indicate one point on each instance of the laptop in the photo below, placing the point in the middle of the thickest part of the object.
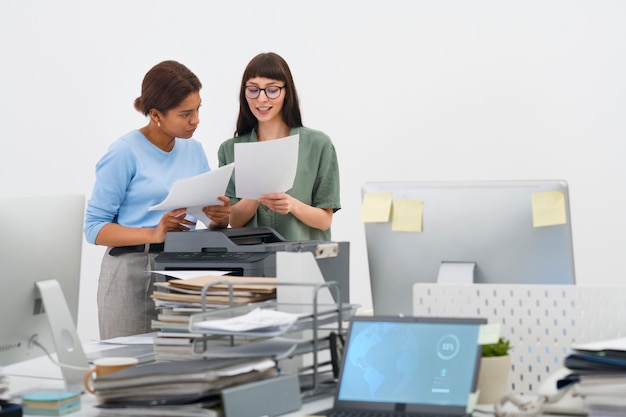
(408, 366)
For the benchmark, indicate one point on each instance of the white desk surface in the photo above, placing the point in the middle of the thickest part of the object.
(88, 401)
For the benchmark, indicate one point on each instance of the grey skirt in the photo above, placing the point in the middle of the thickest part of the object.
(125, 307)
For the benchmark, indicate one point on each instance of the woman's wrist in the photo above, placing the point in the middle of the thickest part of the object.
(221, 225)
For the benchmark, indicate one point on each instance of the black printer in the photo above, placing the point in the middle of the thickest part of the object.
(250, 251)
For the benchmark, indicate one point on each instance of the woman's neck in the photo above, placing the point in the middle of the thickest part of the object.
(158, 138)
(270, 131)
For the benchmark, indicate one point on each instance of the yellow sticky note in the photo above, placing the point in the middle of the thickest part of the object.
(407, 215)
(548, 209)
(488, 333)
(376, 207)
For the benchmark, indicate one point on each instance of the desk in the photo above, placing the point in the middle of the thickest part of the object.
(88, 401)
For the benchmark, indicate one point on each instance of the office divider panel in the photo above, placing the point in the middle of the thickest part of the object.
(541, 321)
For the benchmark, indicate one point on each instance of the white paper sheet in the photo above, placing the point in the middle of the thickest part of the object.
(189, 274)
(618, 344)
(193, 193)
(266, 167)
(258, 322)
(275, 347)
(259, 366)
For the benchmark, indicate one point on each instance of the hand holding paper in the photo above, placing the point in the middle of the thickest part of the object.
(266, 167)
(196, 192)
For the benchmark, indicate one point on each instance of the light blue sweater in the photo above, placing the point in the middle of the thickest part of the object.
(133, 175)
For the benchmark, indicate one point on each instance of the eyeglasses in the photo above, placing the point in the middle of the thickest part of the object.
(271, 92)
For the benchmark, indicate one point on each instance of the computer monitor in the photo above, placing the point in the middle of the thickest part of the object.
(494, 231)
(40, 259)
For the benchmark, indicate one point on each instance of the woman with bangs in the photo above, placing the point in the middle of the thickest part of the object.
(269, 109)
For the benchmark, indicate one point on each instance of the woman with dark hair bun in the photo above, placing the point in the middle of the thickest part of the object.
(135, 173)
(269, 109)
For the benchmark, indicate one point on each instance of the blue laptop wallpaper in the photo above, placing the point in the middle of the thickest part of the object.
(410, 361)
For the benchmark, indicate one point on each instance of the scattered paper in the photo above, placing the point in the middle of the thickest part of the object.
(131, 340)
(258, 322)
(266, 167)
(193, 193)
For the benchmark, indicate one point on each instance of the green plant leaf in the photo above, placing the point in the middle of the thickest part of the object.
(501, 348)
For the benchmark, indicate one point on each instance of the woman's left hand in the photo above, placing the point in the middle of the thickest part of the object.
(219, 214)
(281, 203)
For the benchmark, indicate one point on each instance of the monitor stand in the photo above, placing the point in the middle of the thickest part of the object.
(67, 345)
(456, 273)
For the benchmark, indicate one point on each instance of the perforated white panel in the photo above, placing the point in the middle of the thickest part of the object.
(542, 321)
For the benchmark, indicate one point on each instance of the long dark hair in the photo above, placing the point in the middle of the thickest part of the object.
(273, 66)
(165, 86)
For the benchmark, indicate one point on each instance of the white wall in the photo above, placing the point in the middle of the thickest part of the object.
(415, 90)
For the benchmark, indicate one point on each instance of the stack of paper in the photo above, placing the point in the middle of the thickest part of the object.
(600, 372)
(204, 409)
(178, 383)
(178, 299)
(188, 292)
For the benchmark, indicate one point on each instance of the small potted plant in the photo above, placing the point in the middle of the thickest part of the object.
(495, 367)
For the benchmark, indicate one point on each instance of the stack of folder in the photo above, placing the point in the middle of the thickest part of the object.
(599, 376)
(245, 290)
(179, 387)
(178, 299)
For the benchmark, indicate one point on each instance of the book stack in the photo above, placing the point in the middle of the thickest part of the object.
(600, 376)
(50, 403)
(177, 388)
(178, 299)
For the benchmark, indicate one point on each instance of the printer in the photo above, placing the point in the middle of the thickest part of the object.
(250, 251)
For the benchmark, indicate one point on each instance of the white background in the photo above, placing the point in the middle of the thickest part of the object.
(407, 90)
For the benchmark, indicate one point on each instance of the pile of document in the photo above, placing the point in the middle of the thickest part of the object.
(177, 388)
(188, 292)
(178, 299)
(599, 370)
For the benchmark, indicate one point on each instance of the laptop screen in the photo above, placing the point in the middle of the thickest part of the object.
(410, 364)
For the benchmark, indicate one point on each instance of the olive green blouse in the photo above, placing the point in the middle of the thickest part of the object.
(316, 183)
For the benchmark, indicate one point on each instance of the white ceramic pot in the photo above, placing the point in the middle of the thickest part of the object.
(493, 378)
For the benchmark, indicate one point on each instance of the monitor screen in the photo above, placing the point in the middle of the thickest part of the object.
(497, 231)
(40, 242)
